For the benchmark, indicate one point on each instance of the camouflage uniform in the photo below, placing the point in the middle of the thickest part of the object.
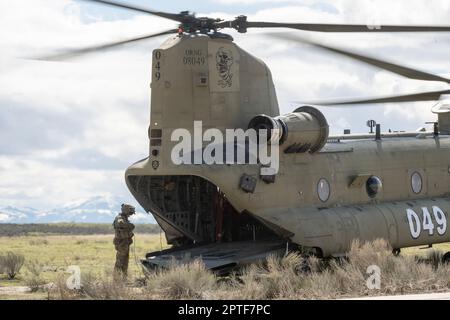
(123, 239)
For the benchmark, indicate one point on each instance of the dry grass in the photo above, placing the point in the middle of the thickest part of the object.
(96, 287)
(186, 281)
(38, 242)
(92, 253)
(33, 279)
(49, 256)
(289, 277)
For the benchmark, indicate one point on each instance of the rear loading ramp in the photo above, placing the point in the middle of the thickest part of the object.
(201, 223)
(218, 257)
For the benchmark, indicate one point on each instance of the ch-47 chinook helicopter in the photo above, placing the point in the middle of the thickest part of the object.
(328, 190)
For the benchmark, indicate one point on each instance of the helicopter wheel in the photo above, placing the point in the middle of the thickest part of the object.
(446, 258)
(396, 252)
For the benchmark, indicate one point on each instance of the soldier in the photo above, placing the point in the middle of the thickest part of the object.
(123, 239)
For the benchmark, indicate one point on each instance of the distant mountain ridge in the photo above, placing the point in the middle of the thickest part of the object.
(98, 209)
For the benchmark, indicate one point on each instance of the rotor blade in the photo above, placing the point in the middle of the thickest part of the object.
(424, 96)
(77, 52)
(347, 27)
(395, 68)
(171, 16)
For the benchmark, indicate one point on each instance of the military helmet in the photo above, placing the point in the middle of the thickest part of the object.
(128, 209)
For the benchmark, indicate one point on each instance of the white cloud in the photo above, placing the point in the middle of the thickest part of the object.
(45, 185)
(58, 110)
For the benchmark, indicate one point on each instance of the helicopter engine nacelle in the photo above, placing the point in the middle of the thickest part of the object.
(304, 130)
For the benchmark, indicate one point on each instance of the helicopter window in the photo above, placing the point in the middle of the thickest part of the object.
(323, 190)
(416, 183)
(373, 186)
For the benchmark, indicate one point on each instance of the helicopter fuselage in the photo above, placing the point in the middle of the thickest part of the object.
(396, 188)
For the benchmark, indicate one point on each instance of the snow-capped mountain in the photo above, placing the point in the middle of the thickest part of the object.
(18, 215)
(99, 209)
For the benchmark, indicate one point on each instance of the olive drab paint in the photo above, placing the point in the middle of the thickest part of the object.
(201, 78)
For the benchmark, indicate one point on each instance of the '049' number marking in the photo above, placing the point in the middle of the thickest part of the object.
(417, 225)
(157, 65)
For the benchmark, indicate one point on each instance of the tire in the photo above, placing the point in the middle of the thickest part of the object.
(446, 258)
(396, 252)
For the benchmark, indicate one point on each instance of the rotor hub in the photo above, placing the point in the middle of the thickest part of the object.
(191, 24)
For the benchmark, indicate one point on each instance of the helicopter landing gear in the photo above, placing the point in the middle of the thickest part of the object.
(396, 252)
(446, 258)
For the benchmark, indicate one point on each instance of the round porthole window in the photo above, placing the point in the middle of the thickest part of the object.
(373, 186)
(323, 190)
(416, 183)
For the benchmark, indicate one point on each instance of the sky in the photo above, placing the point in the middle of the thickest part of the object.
(69, 130)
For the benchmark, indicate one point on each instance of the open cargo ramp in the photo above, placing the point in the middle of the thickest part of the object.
(218, 257)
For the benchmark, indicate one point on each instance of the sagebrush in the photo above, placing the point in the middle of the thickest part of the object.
(11, 263)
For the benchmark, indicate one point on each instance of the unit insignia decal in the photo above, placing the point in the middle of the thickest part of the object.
(224, 59)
